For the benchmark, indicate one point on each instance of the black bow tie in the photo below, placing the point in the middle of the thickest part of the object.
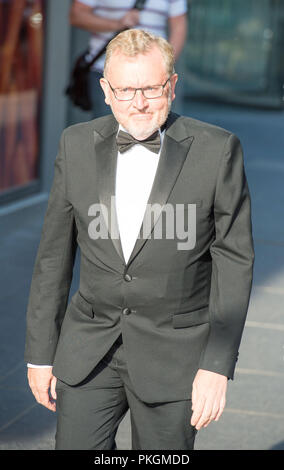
(125, 141)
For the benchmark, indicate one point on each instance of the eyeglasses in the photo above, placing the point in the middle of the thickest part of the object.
(149, 92)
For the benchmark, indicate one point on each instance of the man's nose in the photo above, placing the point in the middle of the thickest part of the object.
(139, 100)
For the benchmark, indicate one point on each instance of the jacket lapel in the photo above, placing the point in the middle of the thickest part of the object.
(106, 162)
(175, 148)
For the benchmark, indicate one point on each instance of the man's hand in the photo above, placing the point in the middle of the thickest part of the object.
(208, 397)
(130, 19)
(40, 381)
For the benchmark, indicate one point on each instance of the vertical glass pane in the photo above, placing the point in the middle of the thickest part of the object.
(233, 48)
(21, 53)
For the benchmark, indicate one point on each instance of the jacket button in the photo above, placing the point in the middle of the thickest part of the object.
(127, 277)
(126, 311)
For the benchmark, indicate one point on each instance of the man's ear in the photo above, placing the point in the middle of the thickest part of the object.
(174, 79)
(105, 87)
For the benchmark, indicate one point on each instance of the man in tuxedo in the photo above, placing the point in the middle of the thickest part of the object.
(156, 323)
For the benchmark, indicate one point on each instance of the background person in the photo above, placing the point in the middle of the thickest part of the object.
(103, 18)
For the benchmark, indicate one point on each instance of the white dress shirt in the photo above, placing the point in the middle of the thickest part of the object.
(136, 169)
(135, 173)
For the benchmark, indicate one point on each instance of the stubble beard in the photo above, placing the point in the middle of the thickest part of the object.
(140, 133)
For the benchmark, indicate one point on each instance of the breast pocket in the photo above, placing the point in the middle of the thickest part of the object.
(193, 318)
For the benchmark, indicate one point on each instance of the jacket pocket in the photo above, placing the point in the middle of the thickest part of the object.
(193, 318)
(82, 304)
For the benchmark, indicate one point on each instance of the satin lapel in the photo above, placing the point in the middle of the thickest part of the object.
(171, 161)
(106, 156)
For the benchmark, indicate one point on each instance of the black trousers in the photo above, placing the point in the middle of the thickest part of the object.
(90, 413)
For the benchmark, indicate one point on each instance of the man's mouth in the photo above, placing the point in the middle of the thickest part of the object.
(142, 115)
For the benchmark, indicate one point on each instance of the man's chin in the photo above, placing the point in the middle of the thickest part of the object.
(141, 126)
(142, 129)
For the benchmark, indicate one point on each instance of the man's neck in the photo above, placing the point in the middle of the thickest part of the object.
(161, 129)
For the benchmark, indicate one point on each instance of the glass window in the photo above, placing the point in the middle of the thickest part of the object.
(234, 48)
(21, 54)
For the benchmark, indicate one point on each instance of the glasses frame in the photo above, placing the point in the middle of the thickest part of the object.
(142, 91)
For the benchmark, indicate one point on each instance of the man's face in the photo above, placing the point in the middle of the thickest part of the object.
(140, 116)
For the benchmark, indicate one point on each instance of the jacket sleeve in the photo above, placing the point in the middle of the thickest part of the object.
(232, 263)
(52, 275)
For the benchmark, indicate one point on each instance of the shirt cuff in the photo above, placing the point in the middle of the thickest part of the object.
(34, 366)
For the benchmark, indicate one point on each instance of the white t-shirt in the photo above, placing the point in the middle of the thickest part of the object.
(153, 18)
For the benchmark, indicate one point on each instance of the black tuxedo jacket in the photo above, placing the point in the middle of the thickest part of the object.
(178, 310)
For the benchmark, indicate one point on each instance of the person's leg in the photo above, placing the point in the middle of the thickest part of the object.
(156, 426)
(90, 413)
(161, 426)
(100, 108)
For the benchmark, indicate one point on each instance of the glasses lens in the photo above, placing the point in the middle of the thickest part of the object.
(125, 94)
(153, 92)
